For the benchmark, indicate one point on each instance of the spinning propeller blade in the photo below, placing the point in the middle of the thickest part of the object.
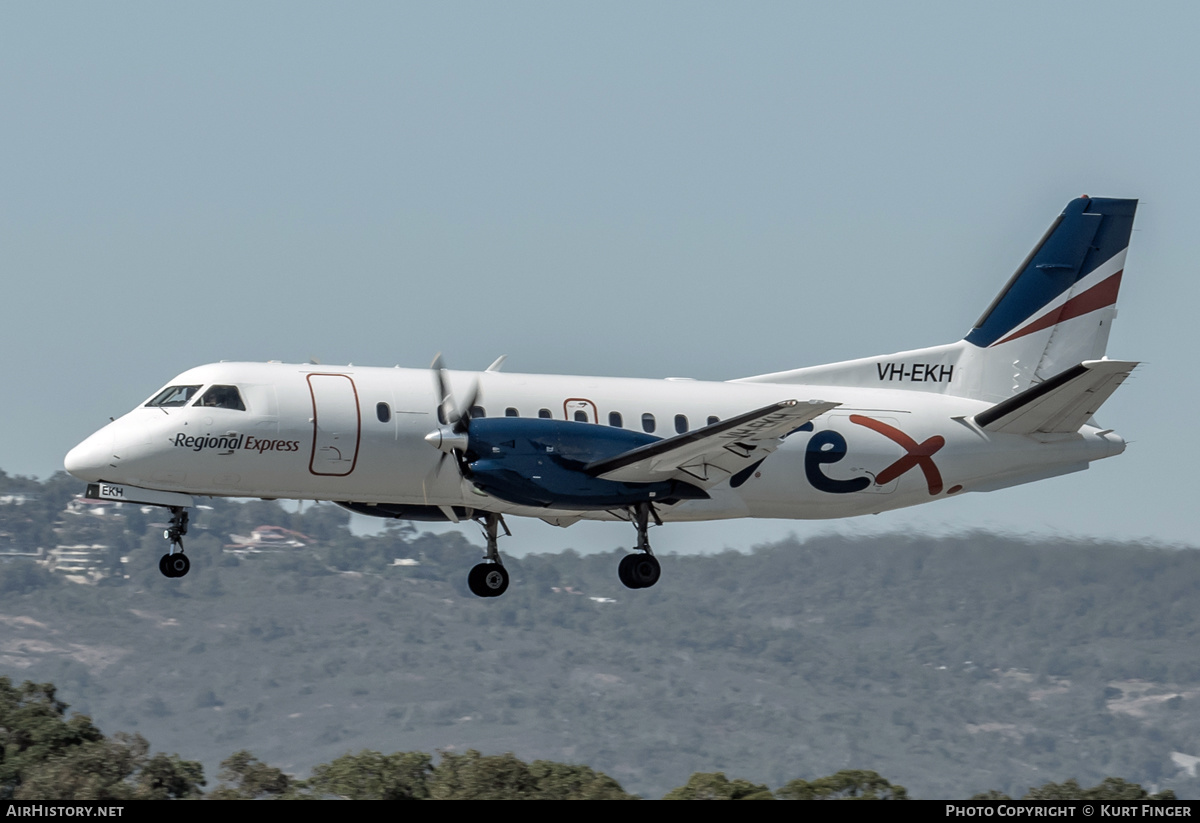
(451, 437)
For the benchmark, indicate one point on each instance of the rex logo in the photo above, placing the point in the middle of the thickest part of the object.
(830, 447)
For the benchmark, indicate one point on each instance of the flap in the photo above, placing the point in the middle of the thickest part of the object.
(709, 455)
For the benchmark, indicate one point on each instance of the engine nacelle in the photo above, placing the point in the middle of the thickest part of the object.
(540, 463)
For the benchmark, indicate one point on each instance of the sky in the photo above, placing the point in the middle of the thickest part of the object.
(642, 189)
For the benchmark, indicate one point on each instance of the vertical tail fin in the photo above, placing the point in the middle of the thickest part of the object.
(1057, 309)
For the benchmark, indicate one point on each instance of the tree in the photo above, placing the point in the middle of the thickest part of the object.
(251, 778)
(371, 775)
(1109, 789)
(165, 777)
(33, 729)
(118, 768)
(848, 784)
(564, 781)
(44, 755)
(473, 776)
(24, 576)
(716, 786)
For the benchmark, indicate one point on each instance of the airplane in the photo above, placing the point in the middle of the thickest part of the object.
(1010, 403)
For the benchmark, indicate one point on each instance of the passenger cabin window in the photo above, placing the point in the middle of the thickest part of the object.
(477, 411)
(511, 412)
(384, 412)
(647, 422)
(712, 418)
(581, 416)
(544, 414)
(614, 420)
(174, 396)
(680, 423)
(222, 397)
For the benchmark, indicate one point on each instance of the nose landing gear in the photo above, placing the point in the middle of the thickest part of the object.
(175, 563)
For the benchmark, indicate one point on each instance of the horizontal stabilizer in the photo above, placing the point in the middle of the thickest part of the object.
(707, 456)
(1061, 404)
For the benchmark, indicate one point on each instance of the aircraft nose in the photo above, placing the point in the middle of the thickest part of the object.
(89, 459)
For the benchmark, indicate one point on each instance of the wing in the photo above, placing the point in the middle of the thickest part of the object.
(707, 456)
(1061, 404)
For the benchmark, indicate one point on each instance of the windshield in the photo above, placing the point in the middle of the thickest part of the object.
(222, 397)
(174, 396)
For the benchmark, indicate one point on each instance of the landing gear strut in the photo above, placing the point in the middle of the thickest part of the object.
(175, 563)
(490, 578)
(641, 571)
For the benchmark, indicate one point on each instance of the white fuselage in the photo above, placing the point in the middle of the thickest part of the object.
(358, 434)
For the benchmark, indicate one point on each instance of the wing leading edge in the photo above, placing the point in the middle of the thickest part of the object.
(707, 456)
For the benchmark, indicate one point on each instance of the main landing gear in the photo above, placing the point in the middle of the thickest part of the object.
(175, 563)
(636, 571)
(641, 571)
(490, 578)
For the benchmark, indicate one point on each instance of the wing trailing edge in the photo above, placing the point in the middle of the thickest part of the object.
(707, 456)
(1062, 404)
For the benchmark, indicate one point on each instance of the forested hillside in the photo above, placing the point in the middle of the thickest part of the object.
(950, 665)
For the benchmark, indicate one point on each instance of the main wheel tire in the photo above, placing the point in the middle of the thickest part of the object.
(475, 580)
(488, 580)
(175, 565)
(625, 571)
(645, 570)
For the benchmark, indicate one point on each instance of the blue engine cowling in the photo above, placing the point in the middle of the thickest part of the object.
(540, 463)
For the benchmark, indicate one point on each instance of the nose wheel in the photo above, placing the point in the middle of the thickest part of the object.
(175, 563)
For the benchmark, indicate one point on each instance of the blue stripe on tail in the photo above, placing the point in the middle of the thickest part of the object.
(1088, 233)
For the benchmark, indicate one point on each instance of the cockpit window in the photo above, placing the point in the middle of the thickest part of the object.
(174, 396)
(222, 397)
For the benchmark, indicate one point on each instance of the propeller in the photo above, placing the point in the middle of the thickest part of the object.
(451, 437)
(457, 417)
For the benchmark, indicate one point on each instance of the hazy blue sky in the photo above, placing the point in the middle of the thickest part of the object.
(649, 189)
